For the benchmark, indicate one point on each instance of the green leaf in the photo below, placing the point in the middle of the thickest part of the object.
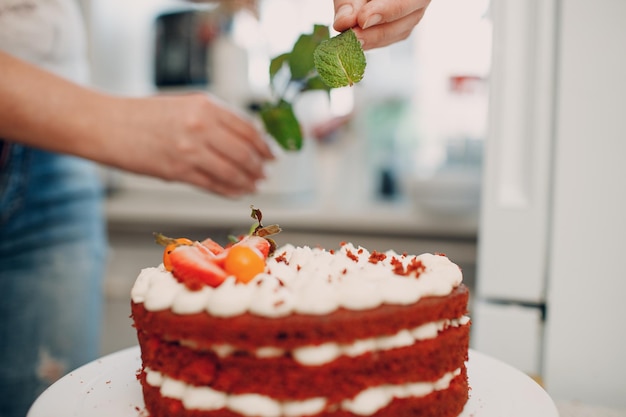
(321, 33)
(340, 60)
(301, 57)
(276, 64)
(280, 122)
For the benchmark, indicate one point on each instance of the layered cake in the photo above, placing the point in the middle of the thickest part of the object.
(306, 332)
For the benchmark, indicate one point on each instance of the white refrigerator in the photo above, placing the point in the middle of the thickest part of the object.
(551, 279)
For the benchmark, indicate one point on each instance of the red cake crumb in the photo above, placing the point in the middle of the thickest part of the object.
(376, 257)
(352, 256)
(415, 267)
(398, 266)
(282, 258)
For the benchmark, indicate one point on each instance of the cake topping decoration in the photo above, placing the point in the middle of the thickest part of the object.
(170, 244)
(376, 257)
(198, 264)
(244, 262)
(309, 280)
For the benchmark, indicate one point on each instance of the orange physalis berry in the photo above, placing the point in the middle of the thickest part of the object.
(244, 263)
(170, 247)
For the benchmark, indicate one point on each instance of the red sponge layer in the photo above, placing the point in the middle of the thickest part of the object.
(443, 403)
(248, 331)
(283, 378)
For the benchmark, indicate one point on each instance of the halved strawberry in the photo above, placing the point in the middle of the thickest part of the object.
(217, 253)
(212, 246)
(194, 267)
(258, 243)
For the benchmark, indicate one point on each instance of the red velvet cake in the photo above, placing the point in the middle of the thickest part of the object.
(308, 332)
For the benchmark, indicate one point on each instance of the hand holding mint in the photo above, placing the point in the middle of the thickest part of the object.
(316, 62)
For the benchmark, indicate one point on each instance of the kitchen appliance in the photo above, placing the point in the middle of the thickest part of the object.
(145, 46)
(182, 41)
(551, 280)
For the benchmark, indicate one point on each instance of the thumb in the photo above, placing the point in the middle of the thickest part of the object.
(346, 13)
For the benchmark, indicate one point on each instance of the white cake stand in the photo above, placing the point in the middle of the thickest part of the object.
(108, 387)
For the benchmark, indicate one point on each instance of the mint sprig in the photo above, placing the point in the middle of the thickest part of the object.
(280, 121)
(316, 62)
(340, 61)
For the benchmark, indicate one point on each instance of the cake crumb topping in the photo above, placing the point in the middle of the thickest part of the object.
(376, 257)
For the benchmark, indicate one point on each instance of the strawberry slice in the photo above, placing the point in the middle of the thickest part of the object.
(195, 268)
(212, 246)
(258, 243)
(217, 258)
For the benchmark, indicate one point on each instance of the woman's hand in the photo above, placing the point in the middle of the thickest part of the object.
(190, 138)
(194, 139)
(379, 23)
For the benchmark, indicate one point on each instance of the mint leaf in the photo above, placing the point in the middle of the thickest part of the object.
(340, 60)
(280, 121)
(276, 64)
(301, 62)
(316, 62)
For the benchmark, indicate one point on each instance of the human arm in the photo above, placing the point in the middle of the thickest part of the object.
(379, 23)
(189, 138)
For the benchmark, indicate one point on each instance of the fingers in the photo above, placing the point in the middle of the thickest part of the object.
(346, 13)
(237, 141)
(222, 175)
(230, 169)
(386, 11)
(242, 127)
(211, 145)
(239, 163)
(215, 185)
(379, 23)
(230, 165)
(385, 34)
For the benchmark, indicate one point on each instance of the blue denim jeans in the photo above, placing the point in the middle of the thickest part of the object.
(52, 260)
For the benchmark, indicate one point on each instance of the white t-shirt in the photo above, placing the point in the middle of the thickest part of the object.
(47, 33)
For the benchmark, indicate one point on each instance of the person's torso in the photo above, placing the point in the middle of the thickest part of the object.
(47, 33)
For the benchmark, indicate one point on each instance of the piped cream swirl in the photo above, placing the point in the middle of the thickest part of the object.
(307, 281)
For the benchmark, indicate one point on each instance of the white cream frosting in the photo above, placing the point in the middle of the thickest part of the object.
(315, 355)
(307, 281)
(365, 403)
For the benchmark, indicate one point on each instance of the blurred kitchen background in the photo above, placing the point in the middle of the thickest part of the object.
(494, 134)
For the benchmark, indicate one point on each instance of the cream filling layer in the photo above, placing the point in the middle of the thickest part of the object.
(315, 355)
(365, 403)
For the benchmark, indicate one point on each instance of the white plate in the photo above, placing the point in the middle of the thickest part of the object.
(108, 387)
